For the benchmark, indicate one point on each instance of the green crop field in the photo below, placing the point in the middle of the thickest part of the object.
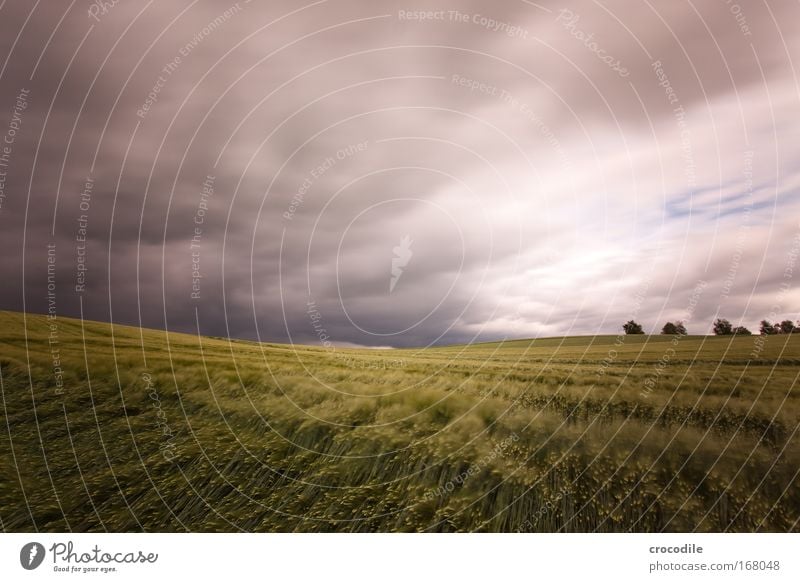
(122, 429)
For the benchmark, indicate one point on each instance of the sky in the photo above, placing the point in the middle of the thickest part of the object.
(400, 173)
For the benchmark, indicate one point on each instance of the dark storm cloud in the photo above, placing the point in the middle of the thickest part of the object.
(542, 161)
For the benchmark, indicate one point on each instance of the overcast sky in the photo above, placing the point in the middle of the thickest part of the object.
(362, 172)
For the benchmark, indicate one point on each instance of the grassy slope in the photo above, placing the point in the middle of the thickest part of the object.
(279, 438)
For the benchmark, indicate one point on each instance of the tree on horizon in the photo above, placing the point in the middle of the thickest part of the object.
(677, 328)
(632, 328)
(768, 328)
(723, 327)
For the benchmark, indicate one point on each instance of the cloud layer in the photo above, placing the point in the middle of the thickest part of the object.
(518, 170)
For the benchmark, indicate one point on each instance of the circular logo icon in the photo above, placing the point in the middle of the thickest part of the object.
(31, 555)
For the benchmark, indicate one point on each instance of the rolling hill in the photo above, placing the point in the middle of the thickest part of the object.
(115, 428)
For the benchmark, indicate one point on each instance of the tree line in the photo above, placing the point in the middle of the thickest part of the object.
(721, 327)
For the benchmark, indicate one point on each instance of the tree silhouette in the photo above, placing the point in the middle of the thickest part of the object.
(722, 327)
(767, 328)
(669, 329)
(673, 328)
(632, 328)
